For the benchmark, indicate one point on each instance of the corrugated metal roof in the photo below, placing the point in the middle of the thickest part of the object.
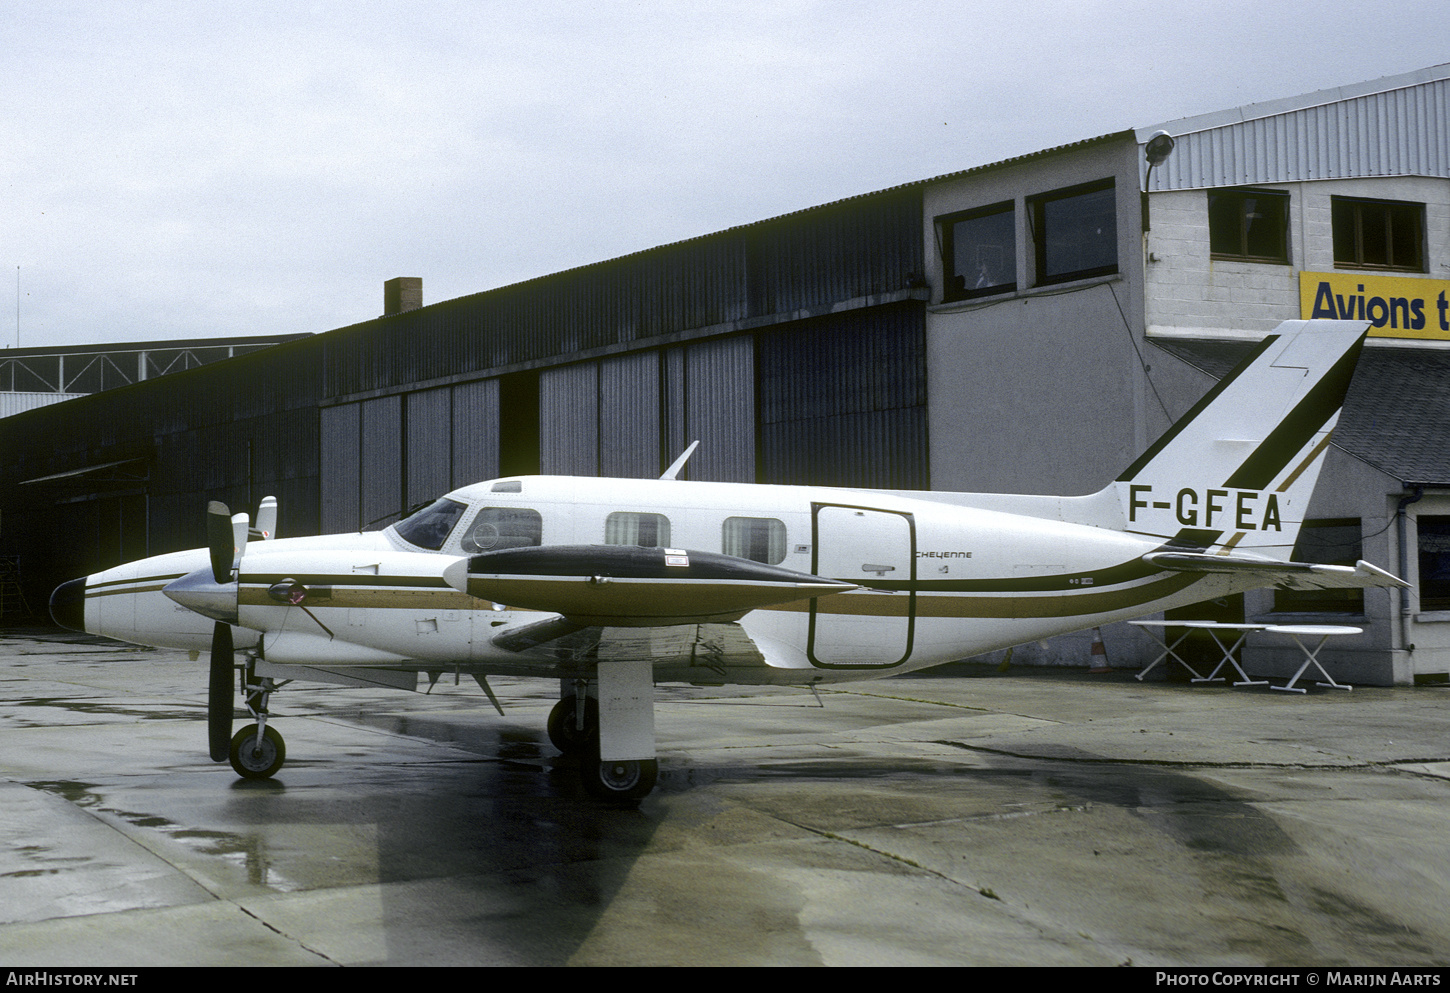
(1027, 157)
(1388, 127)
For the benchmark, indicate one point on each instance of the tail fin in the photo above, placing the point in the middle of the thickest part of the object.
(1237, 471)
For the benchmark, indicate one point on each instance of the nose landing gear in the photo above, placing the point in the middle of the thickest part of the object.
(257, 757)
(257, 750)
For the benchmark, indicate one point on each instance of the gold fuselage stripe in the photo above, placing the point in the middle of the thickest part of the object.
(961, 605)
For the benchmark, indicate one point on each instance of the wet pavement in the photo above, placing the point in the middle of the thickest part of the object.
(973, 817)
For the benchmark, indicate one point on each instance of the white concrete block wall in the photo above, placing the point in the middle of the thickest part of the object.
(1189, 292)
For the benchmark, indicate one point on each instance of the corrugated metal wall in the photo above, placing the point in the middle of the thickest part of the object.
(569, 420)
(672, 405)
(1398, 132)
(381, 466)
(720, 409)
(382, 456)
(475, 432)
(629, 416)
(843, 400)
(341, 456)
(428, 447)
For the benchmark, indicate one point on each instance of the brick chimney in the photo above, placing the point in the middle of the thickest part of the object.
(402, 293)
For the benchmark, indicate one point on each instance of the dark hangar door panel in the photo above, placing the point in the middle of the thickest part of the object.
(873, 548)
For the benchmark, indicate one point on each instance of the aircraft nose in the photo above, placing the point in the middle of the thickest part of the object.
(68, 605)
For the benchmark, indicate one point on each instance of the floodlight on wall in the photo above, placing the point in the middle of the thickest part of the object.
(1155, 150)
(1160, 143)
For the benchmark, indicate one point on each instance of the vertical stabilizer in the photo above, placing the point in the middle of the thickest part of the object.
(1237, 471)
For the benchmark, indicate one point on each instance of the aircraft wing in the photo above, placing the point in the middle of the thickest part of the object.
(676, 608)
(1290, 575)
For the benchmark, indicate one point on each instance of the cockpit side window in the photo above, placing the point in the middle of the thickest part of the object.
(429, 528)
(504, 527)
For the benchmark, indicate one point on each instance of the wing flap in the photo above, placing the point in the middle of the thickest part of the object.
(1290, 575)
(715, 646)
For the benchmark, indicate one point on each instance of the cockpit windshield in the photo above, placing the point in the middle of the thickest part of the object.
(429, 528)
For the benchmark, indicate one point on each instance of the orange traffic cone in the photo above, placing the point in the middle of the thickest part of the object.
(1099, 654)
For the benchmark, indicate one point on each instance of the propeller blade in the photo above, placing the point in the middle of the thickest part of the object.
(219, 540)
(219, 695)
(266, 519)
(240, 529)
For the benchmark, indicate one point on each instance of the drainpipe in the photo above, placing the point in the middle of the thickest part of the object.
(1405, 500)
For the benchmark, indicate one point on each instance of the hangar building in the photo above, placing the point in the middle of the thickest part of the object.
(1023, 326)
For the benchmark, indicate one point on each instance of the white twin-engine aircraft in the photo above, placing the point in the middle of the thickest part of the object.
(612, 585)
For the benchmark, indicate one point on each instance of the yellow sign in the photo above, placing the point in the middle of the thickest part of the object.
(1395, 306)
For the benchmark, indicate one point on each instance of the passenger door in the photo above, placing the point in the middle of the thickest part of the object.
(877, 549)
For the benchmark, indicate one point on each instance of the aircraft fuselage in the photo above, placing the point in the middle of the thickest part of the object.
(939, 581)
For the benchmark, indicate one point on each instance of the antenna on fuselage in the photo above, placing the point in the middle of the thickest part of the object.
(679, 463)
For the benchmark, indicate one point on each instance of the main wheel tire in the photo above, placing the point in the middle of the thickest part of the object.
(563, 728)
(622, 780)
(258, 760)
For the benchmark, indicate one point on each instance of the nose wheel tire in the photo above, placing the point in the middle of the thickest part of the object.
(254, 759)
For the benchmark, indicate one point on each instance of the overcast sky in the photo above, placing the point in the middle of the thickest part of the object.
(198, 169)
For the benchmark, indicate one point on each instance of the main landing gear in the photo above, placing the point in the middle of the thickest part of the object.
(618, 722)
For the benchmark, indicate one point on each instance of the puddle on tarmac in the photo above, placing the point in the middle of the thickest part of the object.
(102, 708)
(248, 851)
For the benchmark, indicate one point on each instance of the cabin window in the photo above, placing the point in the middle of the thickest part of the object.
(429, 528)
(504, 527)
(1075, 232)
(1249, 225)
(645, 530)
(979, 252)
(1378, 234)
(1434, 543)
(1334, 541)
(760, 539)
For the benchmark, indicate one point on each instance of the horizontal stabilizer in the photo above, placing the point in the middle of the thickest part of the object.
(630, 586)
(1290, 575)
